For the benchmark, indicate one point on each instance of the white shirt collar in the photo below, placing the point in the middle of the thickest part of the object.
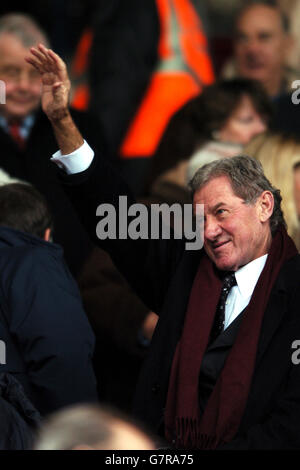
(25, 126)
(248, 275)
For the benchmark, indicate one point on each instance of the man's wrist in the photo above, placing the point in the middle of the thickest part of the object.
(61, 117)
(67, 134)
(75, 162)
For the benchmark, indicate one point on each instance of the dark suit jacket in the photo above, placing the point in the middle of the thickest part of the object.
(32, 164)
(162, 273)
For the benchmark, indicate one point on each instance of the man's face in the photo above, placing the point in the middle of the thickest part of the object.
(261, 44)
(235, 233)
(23, 83)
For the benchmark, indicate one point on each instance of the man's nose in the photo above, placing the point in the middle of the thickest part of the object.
(252, 46)
(23, 81)
(212, 229)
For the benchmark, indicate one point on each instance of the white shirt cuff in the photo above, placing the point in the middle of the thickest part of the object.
(74, 162)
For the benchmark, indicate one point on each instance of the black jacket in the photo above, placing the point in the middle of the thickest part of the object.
(49, 342)
(162, 272)
(19, 419)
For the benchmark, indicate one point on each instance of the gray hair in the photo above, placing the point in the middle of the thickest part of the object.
(247, 179)
(84, 425)
(24, 28)
(74, 426)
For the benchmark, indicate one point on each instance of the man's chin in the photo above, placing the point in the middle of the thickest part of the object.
(224, 264)
(255, 73)
(19, 112)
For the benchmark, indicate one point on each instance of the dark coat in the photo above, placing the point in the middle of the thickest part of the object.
(162, 272)
(49, 342)
(116, 315)
(19, 419)
(32, 164)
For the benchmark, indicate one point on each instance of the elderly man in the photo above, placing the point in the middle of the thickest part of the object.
(261, 45)
(25, 132)
(220, 372)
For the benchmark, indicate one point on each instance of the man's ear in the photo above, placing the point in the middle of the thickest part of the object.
(47, 234)
(265, 205)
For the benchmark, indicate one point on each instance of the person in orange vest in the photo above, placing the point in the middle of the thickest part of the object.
(146, 61)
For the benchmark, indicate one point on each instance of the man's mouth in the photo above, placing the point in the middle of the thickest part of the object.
(219, 245)
(254, 64)
(22, 100)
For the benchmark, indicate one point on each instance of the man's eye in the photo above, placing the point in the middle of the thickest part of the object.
(220, 211)
(10, 71)
(265, 36)
(241, 38)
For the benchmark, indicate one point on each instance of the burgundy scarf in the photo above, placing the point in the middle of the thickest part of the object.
(224, 409)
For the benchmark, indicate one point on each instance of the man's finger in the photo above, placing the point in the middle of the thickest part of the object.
(43, 60)
(45, 53)
(37, 54)
(59, 62)
(34, 63)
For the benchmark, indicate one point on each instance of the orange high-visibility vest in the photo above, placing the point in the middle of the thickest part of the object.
(81, 95)
(184, 68)
(170, 86)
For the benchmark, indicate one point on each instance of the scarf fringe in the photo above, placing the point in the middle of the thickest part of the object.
(189, 436)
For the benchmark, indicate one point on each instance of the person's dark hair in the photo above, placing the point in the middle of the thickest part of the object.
(285, 21)
(247, 179)
(23, 208)
(195, 123)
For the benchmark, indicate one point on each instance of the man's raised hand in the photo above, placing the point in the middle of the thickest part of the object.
(55, 81)
(55, 97)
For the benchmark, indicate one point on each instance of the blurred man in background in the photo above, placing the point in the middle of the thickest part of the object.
(261, 46)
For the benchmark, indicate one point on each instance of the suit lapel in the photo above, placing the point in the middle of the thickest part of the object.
(275, 311)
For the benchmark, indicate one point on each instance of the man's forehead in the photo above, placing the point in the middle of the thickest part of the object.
(215, 190)
(261, 17)
(11, 46)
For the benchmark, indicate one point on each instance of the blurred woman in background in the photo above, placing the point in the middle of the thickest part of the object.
(230, 113)
(215, 124)
(280, 158)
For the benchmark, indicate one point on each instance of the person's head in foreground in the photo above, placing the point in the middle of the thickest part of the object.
(87, 427)
(23, 208)
(241, 209)
(18, 32)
